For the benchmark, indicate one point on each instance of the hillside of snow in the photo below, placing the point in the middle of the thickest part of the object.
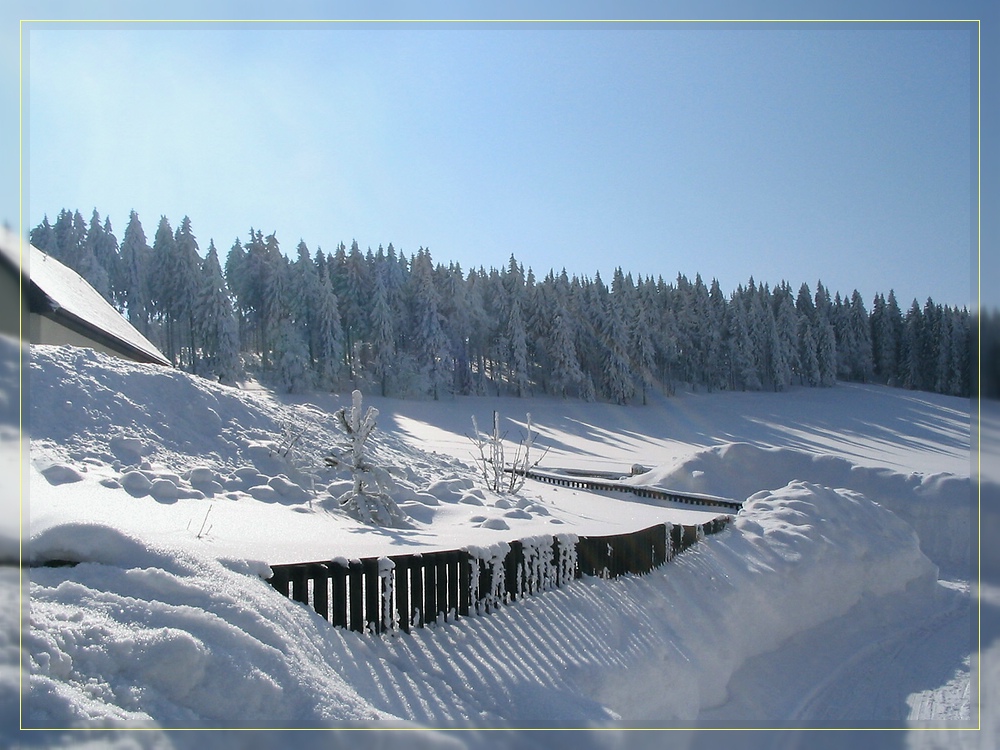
(841, 593)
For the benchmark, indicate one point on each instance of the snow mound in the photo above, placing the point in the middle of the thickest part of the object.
(183, 639)
(158, 432)
(939, 506)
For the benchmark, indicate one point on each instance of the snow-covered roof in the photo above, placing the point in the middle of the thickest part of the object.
(60, 292)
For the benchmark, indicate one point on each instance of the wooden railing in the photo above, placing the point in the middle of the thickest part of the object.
(582, 482)
(400, 592)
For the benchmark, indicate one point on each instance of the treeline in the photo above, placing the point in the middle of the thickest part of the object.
(411, 327)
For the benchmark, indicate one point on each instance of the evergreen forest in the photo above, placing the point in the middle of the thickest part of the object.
(410, 327)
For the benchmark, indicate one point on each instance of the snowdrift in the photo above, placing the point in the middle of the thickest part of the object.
(140, 633)
(940, 507)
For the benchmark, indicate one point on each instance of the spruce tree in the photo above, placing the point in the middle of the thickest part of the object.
(87, 263)
(431, 345)
(329, 341)
(383, 335)
(43, 237)
(184, 286)
(518, 352)
(861, 360)
(643, 349)
(135, 261)
(161, 289)
(216, 323)
(619, 382)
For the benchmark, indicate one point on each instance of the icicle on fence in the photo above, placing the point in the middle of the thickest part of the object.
(401, 592)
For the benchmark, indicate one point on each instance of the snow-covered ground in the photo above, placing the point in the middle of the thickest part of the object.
(842, 594)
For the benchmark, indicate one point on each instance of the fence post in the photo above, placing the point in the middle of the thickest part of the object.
(338, 591)
(300, 589)
(402, 589)
(279, 579)
(430, 588)
(417, 588)
(464, 584)
(441, 565)
(485, 602)
(321, 602)
(512, 570)
(373, 594)
(453, 583)
(355, 574)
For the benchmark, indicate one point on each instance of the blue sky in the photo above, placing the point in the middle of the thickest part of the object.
(782, 152)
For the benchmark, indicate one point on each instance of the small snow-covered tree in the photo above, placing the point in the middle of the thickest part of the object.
(498, 476)
(368, 500)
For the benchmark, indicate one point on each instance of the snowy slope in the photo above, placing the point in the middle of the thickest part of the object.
(772, 620)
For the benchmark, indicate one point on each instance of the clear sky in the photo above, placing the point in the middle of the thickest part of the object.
(781, 152)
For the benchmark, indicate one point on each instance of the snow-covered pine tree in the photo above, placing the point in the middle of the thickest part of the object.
(290, 357)
(275, 308)
(759, 323)
(456, 322)
(135, 259)
(237, 278)
(779, 374)
(930, 345)
(716, 354)
(518, 353)
(303, 281)
(479, 326)
(354, 308)
(162, 303)
(328, 335)
(566, 373)
(216, 321)
(704, 343)
(43, 237)
(861, 361)
(896, 326)
(808, 359)
(643, 349)
(962, 348)
(184, 286)
(745, 374)
(826, 340)
(787, 324)
(89, 264)
(619, 381)
(805, 306)
(883, 338)
(665, 336)
(249, 286)
(430, 343)
(109, 255)
(383, 335)
(910, 372)
(368, 500)
(69, 232)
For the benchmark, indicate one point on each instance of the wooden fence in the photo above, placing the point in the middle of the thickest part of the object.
(406, 591)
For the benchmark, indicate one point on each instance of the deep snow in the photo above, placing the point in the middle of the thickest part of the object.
(816, 604)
